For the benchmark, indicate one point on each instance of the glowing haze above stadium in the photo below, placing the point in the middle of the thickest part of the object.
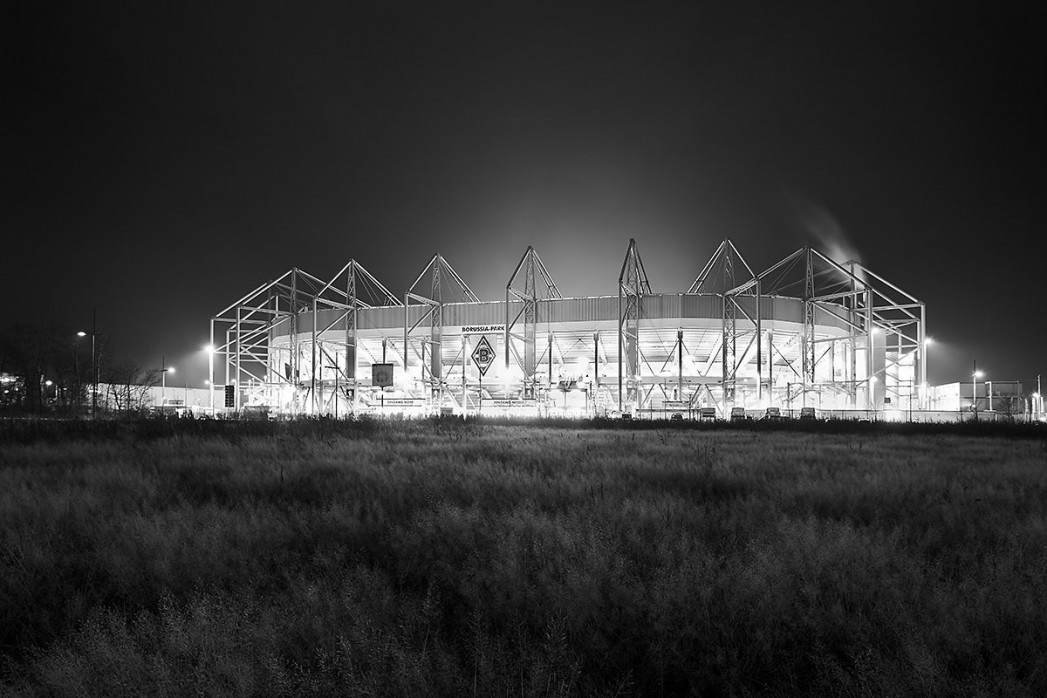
(165, 159)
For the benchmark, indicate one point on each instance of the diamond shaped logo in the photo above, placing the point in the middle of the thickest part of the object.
(382, 375)
(483, 355)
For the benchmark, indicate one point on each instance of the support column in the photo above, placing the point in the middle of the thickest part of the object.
(679, 364)
(550, 355)
(465, 385)
(759, 345)
(236, 380)
(316, 403)
(922, 339)
(210, 369)
(869, 349)
(596, 369)
(770, 362)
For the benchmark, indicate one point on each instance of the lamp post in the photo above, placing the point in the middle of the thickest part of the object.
(975, 375)
(76, 372)
(94, 362)
(210, 374)
(164, 370)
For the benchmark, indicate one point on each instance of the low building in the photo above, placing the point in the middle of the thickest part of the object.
(999, 398)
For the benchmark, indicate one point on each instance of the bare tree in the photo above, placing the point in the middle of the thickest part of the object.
(127, 386)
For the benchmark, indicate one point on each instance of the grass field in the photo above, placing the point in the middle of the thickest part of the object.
(450, 558)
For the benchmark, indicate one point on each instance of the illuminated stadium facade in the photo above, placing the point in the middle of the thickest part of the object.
(807, 332)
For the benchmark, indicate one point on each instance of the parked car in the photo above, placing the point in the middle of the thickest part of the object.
(707, 414)
(808, 413)
(738, 414)
(773, 414)
(676, 417)
(259, 412)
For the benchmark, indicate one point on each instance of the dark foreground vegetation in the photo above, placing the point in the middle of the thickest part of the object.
(449, 558)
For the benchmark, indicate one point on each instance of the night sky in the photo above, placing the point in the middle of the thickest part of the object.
(162, 159)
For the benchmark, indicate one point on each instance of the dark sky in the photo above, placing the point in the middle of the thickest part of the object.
(161, 159)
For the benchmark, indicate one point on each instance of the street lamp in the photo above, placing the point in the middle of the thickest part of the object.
(210, 374)
(1039, 397)
(975, 375)
(94, 362)
(164, 370)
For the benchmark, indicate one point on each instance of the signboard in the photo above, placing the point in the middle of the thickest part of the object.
(506, 404)
(483, 355)
(482, 329)
(402, 402)
(382, 375)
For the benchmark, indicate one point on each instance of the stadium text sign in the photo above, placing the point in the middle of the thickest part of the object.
(482, 329)
(508, 404)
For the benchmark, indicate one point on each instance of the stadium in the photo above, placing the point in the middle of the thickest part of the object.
(806, 332)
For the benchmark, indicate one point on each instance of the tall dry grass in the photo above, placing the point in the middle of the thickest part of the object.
(453, 558)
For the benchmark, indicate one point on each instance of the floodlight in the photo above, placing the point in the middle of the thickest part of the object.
(81, 333)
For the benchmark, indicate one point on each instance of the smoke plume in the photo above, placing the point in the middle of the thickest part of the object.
(825, 232)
